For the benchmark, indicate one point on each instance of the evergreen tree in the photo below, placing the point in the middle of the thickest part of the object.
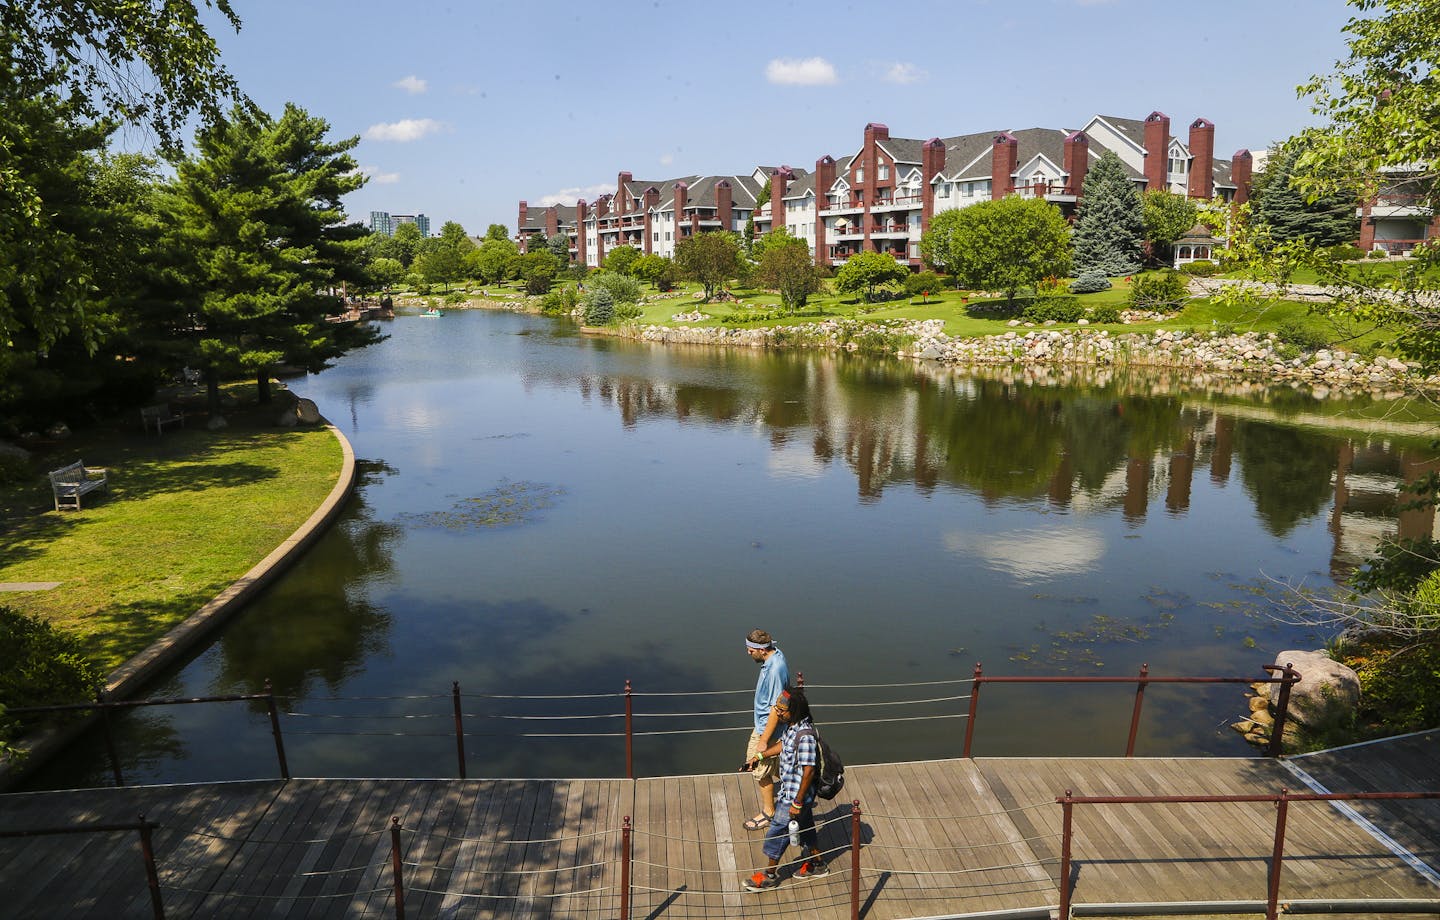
(1110, 224)
(1282, 210)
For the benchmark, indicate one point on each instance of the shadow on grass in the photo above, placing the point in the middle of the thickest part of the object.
(116, 633)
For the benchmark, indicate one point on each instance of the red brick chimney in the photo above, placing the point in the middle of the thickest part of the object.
(602, 210)
(870, 158)
(1157, 151)
(682, 198)
(1077, 162)
(1202, 159)
(1241, 165)
(824, 178)
(552, 221)
(724, 199)
(1004, 160)
(779, 185)
(520, 227)
(622, 195)
(652, 198)
(932, 163)
(581, 213)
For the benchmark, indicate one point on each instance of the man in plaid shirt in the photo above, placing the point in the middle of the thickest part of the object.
(795, 796)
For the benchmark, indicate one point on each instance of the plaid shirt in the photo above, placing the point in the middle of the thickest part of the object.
(797, 752)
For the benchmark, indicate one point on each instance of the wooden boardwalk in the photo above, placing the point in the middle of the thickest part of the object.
(939, 838)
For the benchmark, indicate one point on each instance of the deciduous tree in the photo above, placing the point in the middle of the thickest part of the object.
(937, 243)
(621, 260)
(710, 259)
(1011, 243)
(787, 268)
(1167, 217)
(866, 271)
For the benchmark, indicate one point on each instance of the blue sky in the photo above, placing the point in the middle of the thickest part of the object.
(466, 108)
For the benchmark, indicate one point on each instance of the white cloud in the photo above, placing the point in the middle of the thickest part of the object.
(412, 85)
(666, 159)
(815, 71)
(375, 175)
(403, 131)
(902, 73)
(569, 195)
(1032, 555)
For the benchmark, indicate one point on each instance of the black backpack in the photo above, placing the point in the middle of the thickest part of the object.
(830, 771)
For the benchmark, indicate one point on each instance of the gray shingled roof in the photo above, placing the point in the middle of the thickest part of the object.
(800, 185)
(903, 149)
(1132, 128)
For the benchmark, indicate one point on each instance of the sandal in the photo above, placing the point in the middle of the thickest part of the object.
(761, 820)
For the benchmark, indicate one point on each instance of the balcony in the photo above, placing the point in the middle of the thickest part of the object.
(908, 202)
(850, 208)
(1396, 205)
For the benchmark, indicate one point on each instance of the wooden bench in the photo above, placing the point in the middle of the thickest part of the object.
(71, 482)
(159, 416)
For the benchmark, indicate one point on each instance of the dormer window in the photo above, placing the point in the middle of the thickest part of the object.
(882, 171)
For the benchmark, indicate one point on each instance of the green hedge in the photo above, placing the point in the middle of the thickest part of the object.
(39, 666)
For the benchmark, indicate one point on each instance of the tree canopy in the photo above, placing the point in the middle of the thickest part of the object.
(865, 271)
(936, 243)
(787, 268)
(1167, 217)
(709, 258)
(1009, 244)
(1323, 219)
(1109, 223)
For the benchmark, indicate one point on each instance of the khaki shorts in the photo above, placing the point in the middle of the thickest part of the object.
(768, 769)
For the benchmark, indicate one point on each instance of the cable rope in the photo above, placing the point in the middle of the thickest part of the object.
(275, 897)
(981, 814)
(509, 897)
(422, 866)
(637, 830)
(516, 843)
(968, 846)
(541, 696)
(379, 699)
(350, 836)
(377, 734)
(368, 715)
(318, 872)
(686, 870)
(928, 872)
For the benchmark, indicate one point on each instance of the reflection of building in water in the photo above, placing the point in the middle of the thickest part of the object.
(1371, 482)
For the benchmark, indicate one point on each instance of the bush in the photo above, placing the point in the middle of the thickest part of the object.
(622, 288)
(923, 282)
(1104, 313)
(1163, 291)
(456, 297)
(599, 306)
(626, 311)
(1202, 268)
(560, 301)
(1306, 338)
(1062, 308)
(1378, 254)
(40, 666)
(1346, 252)
(1090, 283)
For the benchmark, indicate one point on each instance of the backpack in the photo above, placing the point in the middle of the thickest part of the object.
(830, 771)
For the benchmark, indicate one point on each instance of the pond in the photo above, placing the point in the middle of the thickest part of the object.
(542, 513)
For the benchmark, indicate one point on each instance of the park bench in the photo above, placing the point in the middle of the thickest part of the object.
(71, 482)
(159, 416)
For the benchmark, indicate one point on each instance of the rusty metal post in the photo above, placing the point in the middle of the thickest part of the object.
(974, 705)
(625, 869)
(397, 867)
(629, 731)
(1289, 677)
(152, 878)
(800, 679)
(459, 727)
(275, 730)
(109, 738)
(1272, 900)
(855, 859)
(1067, 809)
(1139, 702)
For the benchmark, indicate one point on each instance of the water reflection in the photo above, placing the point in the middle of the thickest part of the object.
(888, 520)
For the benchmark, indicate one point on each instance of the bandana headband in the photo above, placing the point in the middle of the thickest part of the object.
(762, 646)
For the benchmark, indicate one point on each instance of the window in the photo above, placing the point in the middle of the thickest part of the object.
(1178, 166)
(860, 174)
(667, 236)
(882, 171)
(655, 237)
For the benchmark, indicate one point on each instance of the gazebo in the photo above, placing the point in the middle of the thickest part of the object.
(1196, 245)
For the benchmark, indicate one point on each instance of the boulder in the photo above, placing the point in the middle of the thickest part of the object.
(216, 422)
(307, 412)
(287, 418)
(1327, 692)
(14, 452)
(58, 431)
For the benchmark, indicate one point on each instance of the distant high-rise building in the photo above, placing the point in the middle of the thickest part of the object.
(385, 222)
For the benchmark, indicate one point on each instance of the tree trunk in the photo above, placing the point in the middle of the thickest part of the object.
(262, 385)
(212, 390)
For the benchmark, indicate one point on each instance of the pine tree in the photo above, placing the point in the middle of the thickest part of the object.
(1284, 212)
(1110, 224)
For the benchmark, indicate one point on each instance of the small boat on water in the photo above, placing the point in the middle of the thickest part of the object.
(432, 312)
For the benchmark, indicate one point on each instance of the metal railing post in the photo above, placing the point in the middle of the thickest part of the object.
(1289, 677)
(109, 738)
(974, 705)
(625, 870)
(855, 859)
(459, 727)
(396, 867)
(1272, 899)
(1067, 809)
(800, 679)
(152, 878)
(629, 731)
(1139, 702)
(275, 730)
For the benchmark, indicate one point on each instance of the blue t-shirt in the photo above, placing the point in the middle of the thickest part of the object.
(774, 675)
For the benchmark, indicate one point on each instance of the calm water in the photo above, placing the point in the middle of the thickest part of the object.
(545, 513)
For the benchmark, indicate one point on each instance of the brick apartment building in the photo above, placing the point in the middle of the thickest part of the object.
(882, 197)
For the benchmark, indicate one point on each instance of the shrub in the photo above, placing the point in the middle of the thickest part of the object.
(1378, 254)
(560, 301)
(1202, 268)
(455, 297)
(1062, 308)
(1161, 291)
(1306, 338)
(1104, 313)
(923, 282)
(622, 288)
(1090, 283)
(40, 666)
(626, 311)
(599, 306)
(1346, 252)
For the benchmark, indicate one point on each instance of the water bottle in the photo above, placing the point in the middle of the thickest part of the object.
(794, 833)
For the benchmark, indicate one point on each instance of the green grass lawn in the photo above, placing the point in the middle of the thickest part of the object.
(188, 513)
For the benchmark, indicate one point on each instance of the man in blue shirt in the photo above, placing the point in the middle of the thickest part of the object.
(774, 677)
(799, 752)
